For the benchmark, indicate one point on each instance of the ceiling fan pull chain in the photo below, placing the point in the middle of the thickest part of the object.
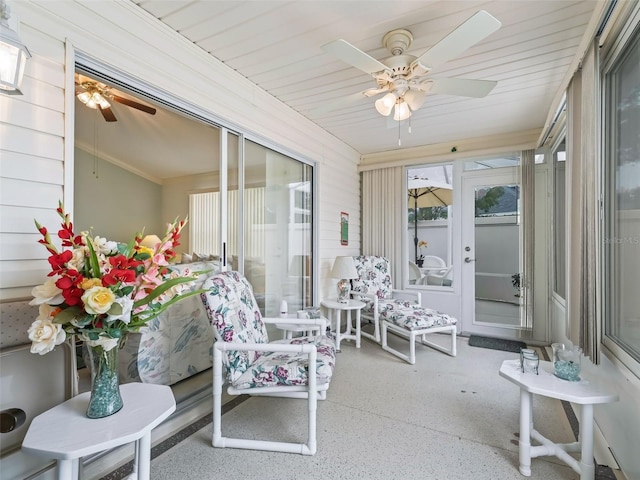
(399, 141)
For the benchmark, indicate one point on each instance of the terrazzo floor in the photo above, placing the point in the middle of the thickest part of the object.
(444, 418)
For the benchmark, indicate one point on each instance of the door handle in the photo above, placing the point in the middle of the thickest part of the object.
(469, 260)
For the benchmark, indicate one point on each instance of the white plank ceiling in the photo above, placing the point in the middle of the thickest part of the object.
(277, 46)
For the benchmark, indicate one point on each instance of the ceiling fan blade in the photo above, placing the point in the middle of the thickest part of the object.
(107, 113)
(354, 56)
(463, 87)
(134, 104)
(476, 28)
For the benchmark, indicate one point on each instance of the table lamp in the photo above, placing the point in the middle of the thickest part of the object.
(150, 241)
(344, 268)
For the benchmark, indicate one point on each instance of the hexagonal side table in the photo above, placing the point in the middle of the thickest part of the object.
(66, 434)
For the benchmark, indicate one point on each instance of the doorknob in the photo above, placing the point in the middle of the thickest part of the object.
(469, 260)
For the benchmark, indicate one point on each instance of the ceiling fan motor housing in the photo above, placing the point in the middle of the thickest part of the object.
(397, 41)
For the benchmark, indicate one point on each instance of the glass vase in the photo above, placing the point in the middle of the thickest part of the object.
(105, 397)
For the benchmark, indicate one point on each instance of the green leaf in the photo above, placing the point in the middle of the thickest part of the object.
(116, 309)
(149, 315)
(93, 261)
(68, 314)
(160, 289)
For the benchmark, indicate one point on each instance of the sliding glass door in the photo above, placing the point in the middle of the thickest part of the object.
(250, 207)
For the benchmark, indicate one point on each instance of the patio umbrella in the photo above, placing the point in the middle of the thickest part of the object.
(427, 193)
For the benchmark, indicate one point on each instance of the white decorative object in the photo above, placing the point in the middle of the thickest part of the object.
(344, 268)
(284, 309)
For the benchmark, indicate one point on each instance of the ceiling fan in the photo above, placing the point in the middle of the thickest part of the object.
(99, 96)
(406, 78)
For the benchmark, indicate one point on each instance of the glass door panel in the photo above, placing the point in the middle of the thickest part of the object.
(492, 302)
(278, 200)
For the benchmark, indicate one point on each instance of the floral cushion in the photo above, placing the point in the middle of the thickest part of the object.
(235, 317)
(175, 345)
(374, 278)
(280, 369)
(413, 317)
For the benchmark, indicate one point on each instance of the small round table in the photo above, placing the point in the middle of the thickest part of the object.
(335, 308)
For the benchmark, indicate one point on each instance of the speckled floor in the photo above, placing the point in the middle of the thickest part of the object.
(444, 418)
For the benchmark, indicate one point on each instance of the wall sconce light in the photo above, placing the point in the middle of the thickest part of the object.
(13, 55)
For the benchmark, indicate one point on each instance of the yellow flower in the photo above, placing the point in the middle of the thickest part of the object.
(88, 283)
(147, 250)
(422, 243)
(98, 300)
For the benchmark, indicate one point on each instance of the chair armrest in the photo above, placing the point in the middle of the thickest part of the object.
(318, 323)
(407, 295)
(265, 347)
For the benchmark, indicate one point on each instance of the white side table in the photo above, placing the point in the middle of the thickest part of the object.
(289, 329)
(546, 383)
(335, 308)
(67, 434)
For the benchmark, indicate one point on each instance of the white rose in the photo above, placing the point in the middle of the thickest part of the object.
(107, 343)
(103, 246)
(45, 335)
(77, 261)
(46, 293)
(127, 305)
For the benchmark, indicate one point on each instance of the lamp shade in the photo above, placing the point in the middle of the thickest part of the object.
(344, 268)
(150, 241)
(385, 104)
(402, 111)
(13, 56)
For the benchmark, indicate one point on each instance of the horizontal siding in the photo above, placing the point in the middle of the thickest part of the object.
(23, 273)
(29, 194)
(20, 219)
(31, 162)
(19, 166)
(31, 142)
(21, 246)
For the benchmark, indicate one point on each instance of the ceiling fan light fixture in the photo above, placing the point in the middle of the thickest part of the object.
(415, 99)
(93, 99)
(385, 104)
(402, 111)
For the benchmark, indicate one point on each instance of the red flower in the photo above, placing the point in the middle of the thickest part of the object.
(69, 284)
(123, 270)
(58, 262)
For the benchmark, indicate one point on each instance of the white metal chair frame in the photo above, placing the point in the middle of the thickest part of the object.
(312, 390)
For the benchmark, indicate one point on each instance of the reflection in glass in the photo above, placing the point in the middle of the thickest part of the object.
(429, 200)
(497, 254)
(622, 235)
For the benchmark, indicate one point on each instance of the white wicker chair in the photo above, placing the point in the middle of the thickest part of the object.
(300, 367)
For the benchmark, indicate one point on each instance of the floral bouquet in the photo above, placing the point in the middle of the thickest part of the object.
(101, 290)
(422, 244)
